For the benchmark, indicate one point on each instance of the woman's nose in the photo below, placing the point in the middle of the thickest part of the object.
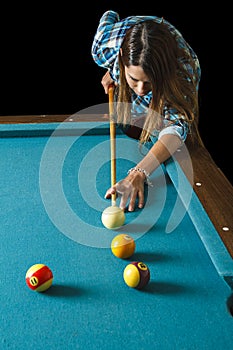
(141, 87)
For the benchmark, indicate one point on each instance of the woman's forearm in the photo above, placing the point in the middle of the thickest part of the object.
(160, 152)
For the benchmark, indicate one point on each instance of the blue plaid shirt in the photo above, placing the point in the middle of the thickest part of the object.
(105, 49)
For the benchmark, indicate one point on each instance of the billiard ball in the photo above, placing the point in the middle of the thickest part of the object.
(113, 217)
(123, 246)
(136, 275)
(39, 277)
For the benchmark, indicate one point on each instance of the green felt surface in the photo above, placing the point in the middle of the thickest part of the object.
(51, 202)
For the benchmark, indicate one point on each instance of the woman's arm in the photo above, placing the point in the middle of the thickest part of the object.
(107, 81)
(132, 186)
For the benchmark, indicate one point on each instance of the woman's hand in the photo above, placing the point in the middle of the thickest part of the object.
(130, 188)
(106, 81)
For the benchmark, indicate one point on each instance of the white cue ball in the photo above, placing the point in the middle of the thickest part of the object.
(113, 217)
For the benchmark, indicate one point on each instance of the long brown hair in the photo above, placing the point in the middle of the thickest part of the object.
(152, 46)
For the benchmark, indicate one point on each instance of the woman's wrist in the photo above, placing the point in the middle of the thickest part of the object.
(140, 170)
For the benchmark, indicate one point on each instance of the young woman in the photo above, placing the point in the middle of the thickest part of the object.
(156, 76)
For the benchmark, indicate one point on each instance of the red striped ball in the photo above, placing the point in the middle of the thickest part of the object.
(39, 277)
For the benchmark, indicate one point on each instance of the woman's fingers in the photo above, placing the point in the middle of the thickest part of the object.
(128, 193)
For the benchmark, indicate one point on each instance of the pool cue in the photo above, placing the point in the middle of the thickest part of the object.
(112, 141)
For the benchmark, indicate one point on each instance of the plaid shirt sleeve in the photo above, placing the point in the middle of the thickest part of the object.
(107, 40)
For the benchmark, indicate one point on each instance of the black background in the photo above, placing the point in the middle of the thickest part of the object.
(47, 68)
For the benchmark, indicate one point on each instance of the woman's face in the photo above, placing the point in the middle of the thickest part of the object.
(137, 80)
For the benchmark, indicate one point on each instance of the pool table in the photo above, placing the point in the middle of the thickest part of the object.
(54, 173)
